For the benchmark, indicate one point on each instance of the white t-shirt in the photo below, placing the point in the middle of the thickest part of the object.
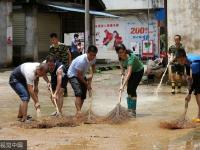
(29, 72)
(80, 63)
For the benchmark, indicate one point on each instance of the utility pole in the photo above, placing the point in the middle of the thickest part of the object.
(166, 28)
(87, 24)
(6, 33)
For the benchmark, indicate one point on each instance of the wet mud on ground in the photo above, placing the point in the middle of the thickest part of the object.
(142, 133)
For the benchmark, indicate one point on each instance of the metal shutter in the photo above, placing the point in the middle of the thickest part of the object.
(19, 28)
(47, 23)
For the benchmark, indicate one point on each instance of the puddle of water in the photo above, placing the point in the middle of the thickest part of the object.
(160, 83)
(190, 141)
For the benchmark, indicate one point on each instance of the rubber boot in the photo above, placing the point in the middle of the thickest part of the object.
(128, 103)
(132, 106)
(129, 106)
(173, 87)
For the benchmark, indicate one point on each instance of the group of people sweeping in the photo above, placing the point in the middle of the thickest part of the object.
(179, 62)
(24, 79)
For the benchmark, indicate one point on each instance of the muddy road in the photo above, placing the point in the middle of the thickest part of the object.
(142, 133)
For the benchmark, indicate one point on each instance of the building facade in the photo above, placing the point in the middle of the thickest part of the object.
(6, 36)
(184, 19)
(28, 24)
(138, 27)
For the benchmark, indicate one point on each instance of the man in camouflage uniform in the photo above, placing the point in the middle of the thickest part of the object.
(60, 52)
(176, 68)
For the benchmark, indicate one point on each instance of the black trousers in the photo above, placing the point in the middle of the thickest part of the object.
(133, 83)
(196, 83)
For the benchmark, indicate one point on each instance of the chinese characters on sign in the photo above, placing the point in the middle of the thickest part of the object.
(144, 34)
(132, 31)
(106, 25)
(13, 145)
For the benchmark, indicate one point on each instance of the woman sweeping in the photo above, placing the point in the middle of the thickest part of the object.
(135, 70)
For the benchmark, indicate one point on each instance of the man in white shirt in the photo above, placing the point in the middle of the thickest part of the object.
(76, 74)
(24, 81)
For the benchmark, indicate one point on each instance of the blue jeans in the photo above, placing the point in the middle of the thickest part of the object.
(20, 88)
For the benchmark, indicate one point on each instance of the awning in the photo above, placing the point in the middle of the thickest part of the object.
(65, 8)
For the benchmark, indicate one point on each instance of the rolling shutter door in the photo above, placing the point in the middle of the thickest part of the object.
(19, 28)
(47, 23)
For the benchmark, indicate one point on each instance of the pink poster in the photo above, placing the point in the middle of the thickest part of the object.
(108, 34)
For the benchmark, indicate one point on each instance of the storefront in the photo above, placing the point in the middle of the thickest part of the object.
(33, 21)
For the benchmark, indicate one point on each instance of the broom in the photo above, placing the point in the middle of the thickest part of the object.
(54, 100)
(181, 123)
(119, 114)
(38, 112)
(91, 118)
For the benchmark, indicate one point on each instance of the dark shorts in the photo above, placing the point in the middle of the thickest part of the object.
(20, 87)
(133, 82)
(196, 83)
(177, 68)
(63, 84)
(80, 90)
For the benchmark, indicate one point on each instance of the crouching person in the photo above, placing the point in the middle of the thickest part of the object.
(58, 81)
(76, 75)
(192, 63)
(24, 81)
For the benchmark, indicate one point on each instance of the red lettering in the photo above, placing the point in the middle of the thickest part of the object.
(133, 30)
(142, 30)
(137, 30)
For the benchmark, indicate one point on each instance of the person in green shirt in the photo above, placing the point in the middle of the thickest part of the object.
(176, 68)
(135, 71)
